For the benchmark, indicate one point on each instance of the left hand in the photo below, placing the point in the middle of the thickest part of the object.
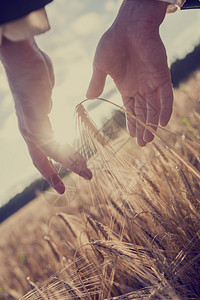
(132, 53)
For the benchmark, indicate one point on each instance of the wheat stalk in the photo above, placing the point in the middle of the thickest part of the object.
(90, 126)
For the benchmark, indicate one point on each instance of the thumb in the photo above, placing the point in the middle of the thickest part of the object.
(97, 84)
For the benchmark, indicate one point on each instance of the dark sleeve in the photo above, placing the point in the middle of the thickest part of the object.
(11, 10)
(190, 4)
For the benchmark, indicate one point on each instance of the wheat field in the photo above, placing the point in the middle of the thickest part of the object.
(132, 232)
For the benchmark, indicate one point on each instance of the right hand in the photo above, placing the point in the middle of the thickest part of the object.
(31, 79)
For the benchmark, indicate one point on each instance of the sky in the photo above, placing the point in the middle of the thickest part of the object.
(76, 27)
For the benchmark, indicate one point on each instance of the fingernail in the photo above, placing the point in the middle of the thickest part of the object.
(60, 188)
(86, 174)
(55, 181)
(148, 137)
(141, 142)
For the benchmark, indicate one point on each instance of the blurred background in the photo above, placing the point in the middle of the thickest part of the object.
(76, 27)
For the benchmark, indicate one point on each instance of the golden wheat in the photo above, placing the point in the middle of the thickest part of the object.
(138, 237)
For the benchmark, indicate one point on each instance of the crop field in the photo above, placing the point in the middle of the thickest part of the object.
(132, 232)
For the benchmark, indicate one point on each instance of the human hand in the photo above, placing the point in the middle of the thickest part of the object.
(31, 79)
(132, 53)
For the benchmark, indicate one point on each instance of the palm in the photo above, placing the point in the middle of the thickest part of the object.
(137, 62)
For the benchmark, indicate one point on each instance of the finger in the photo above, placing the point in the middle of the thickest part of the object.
(130, 121)
(97, 84)
(140, 111)
(44, 140)
(68, 157)
(45, 167)
(166, 96)
(75, 162)
(153, 112)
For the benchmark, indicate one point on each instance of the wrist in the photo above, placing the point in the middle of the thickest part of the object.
(24, 49)
(142, 15)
